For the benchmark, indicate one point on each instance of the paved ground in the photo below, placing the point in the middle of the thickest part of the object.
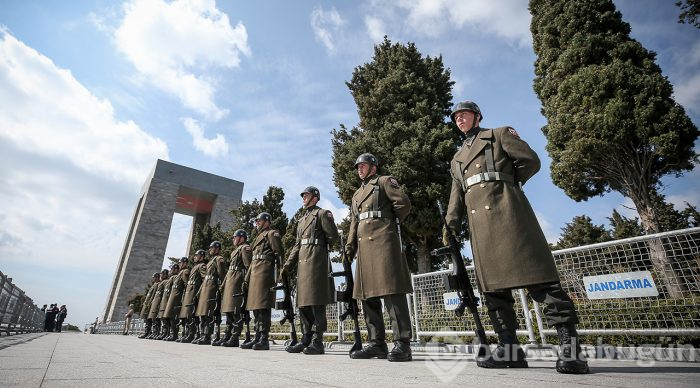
(75, 360)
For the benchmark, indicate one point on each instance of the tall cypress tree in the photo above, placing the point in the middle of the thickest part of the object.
(612, 123)
(402, 99)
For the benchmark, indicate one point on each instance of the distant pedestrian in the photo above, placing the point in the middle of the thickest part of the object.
(60, 317)
(127, 320)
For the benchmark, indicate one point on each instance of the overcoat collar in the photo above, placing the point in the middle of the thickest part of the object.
(467, 153)
(261, 237)
(368, 189)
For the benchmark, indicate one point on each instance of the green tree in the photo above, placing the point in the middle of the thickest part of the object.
(690, 12)
(244, 216)
(623, 227)
(272, 203)
(581, 231)
(402, 99)
(612, 122)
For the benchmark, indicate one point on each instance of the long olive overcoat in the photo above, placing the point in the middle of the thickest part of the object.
(233, 283)
(165, 296)
(157, 296)
(194, 281)
(146, 306)
(381, 267)
(177, 286)
(509, 247)
(214, 274)
(267, 250)
(316, 230)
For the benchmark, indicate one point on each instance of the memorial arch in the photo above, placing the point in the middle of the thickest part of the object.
(169, 189)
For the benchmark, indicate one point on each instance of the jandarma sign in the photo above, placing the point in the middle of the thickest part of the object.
(620, 285)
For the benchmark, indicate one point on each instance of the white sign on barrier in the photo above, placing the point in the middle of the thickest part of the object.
(451, 300)
(620, 285)
(277, 315)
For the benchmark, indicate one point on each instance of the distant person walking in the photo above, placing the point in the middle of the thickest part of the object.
(127, 320)
(62, 313)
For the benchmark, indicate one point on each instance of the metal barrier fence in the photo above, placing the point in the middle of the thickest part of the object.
(672, 260)
(18, 313)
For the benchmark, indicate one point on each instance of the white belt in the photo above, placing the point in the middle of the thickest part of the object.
(488, 177)
(370, 214)
(309, 241)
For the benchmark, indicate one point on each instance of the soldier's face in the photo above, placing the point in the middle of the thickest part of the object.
(237, 240)
(198, 258)
(364, 170)
(308, 199)
(259, 224)
(464, 120)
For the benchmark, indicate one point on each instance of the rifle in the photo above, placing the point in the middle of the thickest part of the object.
(287, 306)
(245, 315)
(345, 296)
(459, 281)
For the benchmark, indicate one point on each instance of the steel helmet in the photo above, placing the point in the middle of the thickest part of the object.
(466, 105)
(241, 233)
(367, 158)
(265, 216)
(313, 191)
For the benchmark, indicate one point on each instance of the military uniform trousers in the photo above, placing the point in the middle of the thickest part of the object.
(558, 306)
(263, 320)
(313, 318)
(235, 320)
(397, 307)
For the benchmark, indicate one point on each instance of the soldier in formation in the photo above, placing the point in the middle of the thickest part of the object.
(146, 305)
(260, 279)
(171, 306)
(232, 289)
(381, 274)
(155, 304)
(509, 247)
(189, 299)
(208, 306)
(316, 231)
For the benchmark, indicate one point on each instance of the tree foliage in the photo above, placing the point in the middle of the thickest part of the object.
(247, 211)
(690, 12)
(581, 231)
(402, 100)
(612, 123)
(623, 227)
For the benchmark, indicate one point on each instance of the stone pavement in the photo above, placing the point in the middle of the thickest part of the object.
(82, 360)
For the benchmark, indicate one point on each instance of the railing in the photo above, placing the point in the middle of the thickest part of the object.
(671, 259)
(18, 313)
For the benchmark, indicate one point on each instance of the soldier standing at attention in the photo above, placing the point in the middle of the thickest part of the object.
(189, 300)
(267, 254)
(509, 247)
(377, 209)
(175, 301)
(167, 288)
(155, 305)
(233, 284)
(208, 307)
(316, 231)
(146, 307)
(171, 306)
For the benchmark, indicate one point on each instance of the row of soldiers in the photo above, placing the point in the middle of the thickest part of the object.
(508, 245)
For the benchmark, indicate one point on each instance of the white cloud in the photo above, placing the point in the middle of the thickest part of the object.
(375, 28)
(324, 24)
(174, 45)
(547, 228)
(68, 167)
(212, 147)
(507, 19)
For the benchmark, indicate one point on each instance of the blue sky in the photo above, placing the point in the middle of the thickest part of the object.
(93, 92)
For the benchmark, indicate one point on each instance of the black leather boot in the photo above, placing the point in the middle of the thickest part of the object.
(147, 330)
(202, 331)
(571, 359)
(376, 348)
(401, 351)
(156, 330)
(316, 346)
(263, 343)
(301, 345)
(233, 341)
(249, 344)
(508, 354)
(227, 336)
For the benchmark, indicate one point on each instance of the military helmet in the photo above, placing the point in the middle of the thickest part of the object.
(156, 275)
(367, 158)
(164, 271)
(174, 266)
(265, 216)
(184, 259)
(215, 244)
(201, 252)
(311, 190)
(466, 105)
(241, 233)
